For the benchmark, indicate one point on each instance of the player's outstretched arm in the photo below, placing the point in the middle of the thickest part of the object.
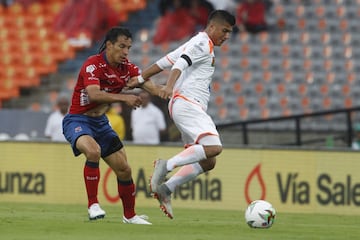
(96, 95)
(166, 91)
(144, 77)
(151, 87)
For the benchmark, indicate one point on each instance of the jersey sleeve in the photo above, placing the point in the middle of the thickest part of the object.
(196, 52)
(90, 73)
(134, 70)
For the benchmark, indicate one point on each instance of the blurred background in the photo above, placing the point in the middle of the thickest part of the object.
(287, 77)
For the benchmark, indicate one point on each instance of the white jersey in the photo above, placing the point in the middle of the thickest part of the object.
(146, 124)
(53, 128)
(194, 81)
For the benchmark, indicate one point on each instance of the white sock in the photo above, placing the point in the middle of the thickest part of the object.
(192, 154)
(185, 174)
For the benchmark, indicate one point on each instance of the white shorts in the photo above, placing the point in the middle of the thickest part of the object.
(194, 124)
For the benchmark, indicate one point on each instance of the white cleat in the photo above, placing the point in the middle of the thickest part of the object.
(95, 212)
(137, 220)
(163, 195)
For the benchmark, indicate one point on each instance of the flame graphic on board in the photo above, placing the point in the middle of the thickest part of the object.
(255, 174)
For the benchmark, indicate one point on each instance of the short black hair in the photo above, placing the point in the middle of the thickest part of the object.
(222, 15)
(113, 34)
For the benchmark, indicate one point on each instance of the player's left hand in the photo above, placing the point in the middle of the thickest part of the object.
(165, 92)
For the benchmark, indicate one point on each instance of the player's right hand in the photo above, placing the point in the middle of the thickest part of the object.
(133, 101)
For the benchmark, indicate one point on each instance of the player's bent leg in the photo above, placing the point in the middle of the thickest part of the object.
(212, 151)
(212, 145)
(89, 147)
(159, 174)
(208, 164)
(117, 161)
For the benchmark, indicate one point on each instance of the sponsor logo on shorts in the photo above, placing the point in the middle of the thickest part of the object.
(78, 129)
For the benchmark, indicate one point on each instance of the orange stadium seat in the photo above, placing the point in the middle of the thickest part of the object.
(288, 76)
(244, 113)
(259, 88)
(343, 25)
(45, 65)
(222, 113)
(265, 49)
(247, 76)
(8, 89)
(330, 77)
(219, 100)
(301, 24)
(284, 102)
(237, 88)
(215, 87)
(348, 102)
(244, 37)
(326, 103)
(324, 89)
(351, 77)
(322, 24)
(244, 63)
(262, 101)
(300, 10)
(241, 101)
(267, 76)
(284, 37)
(340, 11)
(281, 88)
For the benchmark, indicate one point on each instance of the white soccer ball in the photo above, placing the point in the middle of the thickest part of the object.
(260, 214)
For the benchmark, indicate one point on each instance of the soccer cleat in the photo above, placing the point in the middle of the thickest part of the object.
(163, 195)
(137, 220)
(95, 212)
(159, 174)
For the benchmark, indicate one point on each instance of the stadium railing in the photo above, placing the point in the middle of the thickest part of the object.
(297, 119)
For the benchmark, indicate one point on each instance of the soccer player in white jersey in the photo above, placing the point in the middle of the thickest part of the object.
(188, 87)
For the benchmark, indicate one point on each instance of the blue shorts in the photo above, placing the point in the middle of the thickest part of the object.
(76, 125)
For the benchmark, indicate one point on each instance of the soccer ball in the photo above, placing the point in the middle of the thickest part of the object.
(260, 214)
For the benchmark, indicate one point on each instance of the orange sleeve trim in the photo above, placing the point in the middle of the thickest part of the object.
(211, 46)
(169, 60)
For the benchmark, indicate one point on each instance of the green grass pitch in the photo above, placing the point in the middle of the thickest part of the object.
(46, 221)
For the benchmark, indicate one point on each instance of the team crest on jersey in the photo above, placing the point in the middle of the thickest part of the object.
(90, 69)
(213, 62)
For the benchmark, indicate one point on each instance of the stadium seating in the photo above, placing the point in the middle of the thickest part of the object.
(305, 64)
(29, 46)
(29, 40)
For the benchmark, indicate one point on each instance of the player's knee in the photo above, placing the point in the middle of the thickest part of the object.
(123, 172)
(212, 151)
(217, 150)
(208, 164)
(93, 154)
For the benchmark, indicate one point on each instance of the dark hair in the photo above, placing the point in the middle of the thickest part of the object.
(113, 34)
(222, 15)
